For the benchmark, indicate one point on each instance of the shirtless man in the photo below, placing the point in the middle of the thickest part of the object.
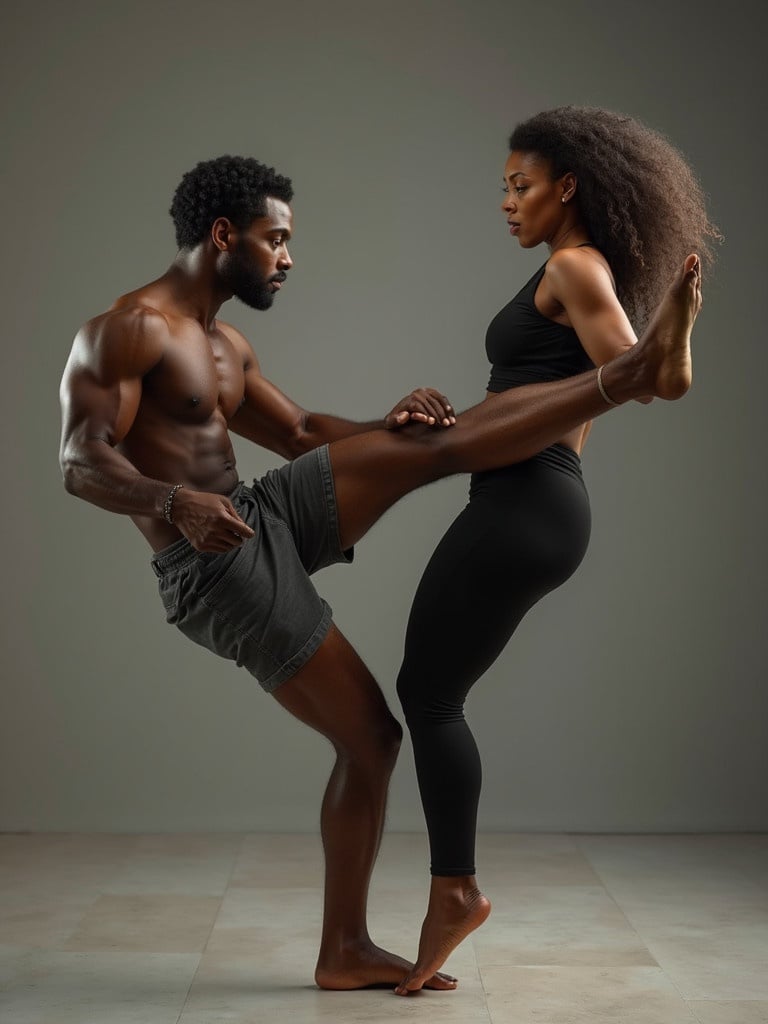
(150, 392)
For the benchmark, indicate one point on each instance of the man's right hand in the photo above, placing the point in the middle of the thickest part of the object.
(209, 521)
(423, 405)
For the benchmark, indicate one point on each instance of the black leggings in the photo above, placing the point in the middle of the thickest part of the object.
(523, 533)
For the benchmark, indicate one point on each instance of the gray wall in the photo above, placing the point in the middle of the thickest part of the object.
(634, 698)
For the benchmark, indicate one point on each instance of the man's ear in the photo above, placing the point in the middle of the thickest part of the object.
(222, 233)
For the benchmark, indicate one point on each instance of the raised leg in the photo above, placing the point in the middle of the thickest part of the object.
(336, 695)
(372, 471)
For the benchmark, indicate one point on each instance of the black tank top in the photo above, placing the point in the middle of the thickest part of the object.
(524, 346)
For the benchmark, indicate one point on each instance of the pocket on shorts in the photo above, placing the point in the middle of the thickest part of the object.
(183, 589)
(171, 588)
(213, 573)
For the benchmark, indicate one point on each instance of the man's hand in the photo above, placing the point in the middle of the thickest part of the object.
(209, 521)
(423, 405)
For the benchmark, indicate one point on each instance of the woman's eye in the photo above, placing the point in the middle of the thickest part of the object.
(520, 189)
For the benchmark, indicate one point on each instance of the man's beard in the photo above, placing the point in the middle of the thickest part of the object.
(244, 280)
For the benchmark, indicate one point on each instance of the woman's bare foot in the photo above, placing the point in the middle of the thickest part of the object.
(366, 965)
(660, 363)
(456, 908)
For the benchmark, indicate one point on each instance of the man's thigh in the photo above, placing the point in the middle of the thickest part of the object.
(335, 694)
(255, 605)
(302, 494)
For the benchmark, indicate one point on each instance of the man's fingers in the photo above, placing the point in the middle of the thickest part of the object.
(237, 525)
(425, 401)
(440, 397)
(438, 406)
(423, 405)
(214, 547)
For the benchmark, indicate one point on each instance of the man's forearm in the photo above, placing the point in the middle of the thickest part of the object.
(320, 428)
(100, 475)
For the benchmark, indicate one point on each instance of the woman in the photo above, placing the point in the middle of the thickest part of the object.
(618, 208)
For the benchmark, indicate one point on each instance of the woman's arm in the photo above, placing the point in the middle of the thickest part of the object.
(581, 287)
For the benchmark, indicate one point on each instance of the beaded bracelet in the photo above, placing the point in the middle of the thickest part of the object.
(168, 506)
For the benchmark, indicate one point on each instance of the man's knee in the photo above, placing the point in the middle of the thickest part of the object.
(446, 451)
(388, 737)
(375, 747)
(435, 453)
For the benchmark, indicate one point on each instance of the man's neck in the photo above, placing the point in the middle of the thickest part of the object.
(195, 286)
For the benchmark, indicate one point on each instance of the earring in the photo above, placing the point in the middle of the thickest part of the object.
(564, 199)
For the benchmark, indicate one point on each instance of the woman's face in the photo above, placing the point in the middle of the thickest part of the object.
(533, 201)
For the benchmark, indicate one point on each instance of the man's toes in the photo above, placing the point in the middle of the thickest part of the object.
(402, 989)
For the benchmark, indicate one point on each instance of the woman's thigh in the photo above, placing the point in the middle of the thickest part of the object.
(522, 534)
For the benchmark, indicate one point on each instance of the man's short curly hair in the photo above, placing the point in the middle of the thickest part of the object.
(640, 200)
(229, 186)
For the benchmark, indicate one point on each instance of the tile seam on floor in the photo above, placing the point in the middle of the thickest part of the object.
(637, 932)
(695, 1015)
(235, 860)
(614, 900)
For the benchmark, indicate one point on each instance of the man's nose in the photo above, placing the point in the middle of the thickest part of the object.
(284, 260)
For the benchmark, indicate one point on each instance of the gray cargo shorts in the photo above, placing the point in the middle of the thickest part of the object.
(256, 604)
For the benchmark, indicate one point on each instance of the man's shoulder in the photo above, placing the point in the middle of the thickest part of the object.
(129, 321)
(130, 336)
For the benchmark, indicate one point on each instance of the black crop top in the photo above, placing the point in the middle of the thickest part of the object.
(524, 346)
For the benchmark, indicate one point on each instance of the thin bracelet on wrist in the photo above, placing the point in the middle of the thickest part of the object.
(601, 388)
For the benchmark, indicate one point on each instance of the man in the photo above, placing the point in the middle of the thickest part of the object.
(149, 395)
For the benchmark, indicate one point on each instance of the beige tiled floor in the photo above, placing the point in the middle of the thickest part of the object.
(223, 928)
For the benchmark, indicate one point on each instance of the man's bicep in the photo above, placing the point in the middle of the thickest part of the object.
(268, 416)
(94, 410)
(102, 383)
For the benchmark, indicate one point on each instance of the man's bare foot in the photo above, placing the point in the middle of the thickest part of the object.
(661, 360)
(366, 965)
(456, 908)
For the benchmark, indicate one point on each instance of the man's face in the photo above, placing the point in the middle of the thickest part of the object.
(256, 265)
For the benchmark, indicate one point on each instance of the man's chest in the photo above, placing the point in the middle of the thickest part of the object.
(198, 375)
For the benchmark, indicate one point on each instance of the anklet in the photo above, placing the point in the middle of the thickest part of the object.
(601, 389)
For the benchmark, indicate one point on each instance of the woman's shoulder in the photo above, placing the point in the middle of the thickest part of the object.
(578, 266)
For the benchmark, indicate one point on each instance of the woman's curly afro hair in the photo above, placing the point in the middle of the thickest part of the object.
(640, 200)
(235, 187)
